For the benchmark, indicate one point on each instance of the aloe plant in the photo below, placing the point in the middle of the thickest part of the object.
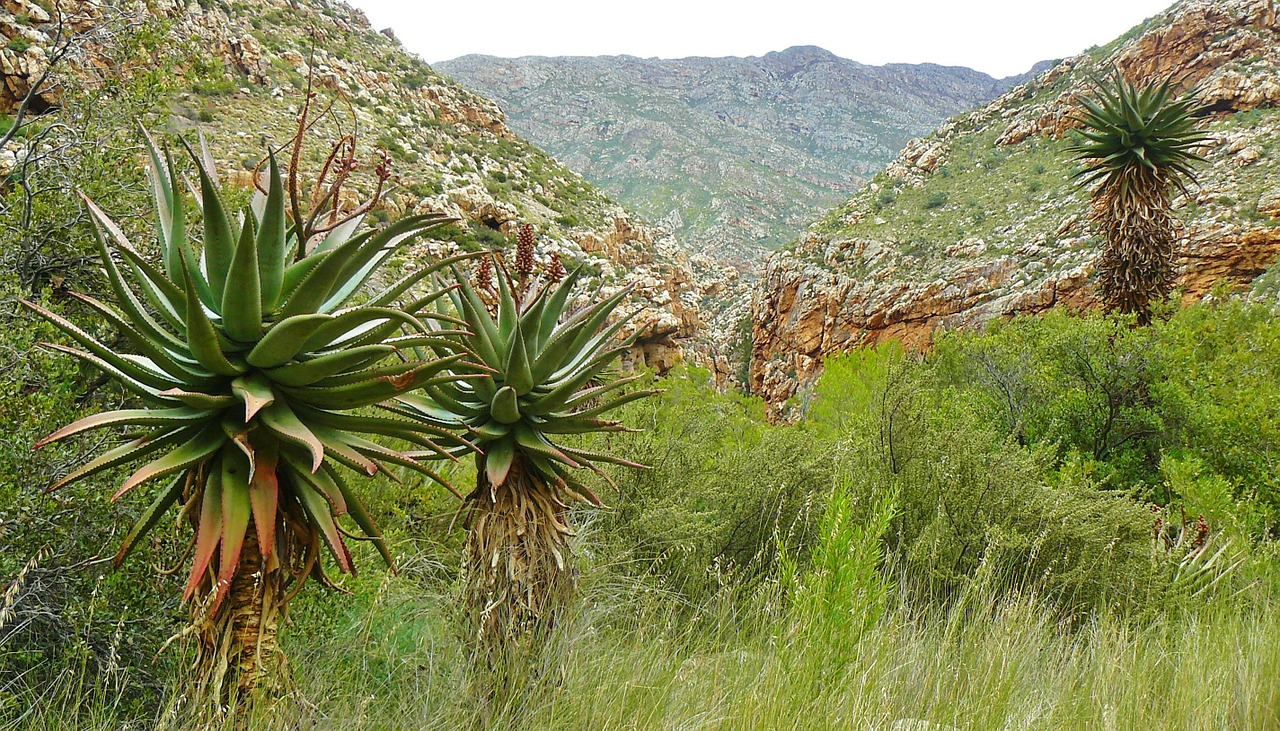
(552, 377)
(1138, 144)
(258, 376)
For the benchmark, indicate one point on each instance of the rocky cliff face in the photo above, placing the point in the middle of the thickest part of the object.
(732, 154)
(979, 220)
(244, 67)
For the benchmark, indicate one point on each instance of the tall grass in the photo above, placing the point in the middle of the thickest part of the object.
(636, 658)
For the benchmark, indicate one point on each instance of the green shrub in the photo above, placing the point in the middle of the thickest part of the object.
(969, 494)
(936, 199)
(708, 509)
(1089, 386)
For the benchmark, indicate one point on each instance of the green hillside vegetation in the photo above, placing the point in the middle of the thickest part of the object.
(1007, 531)
(960, 202)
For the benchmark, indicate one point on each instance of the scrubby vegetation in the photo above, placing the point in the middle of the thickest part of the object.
(1008, 531)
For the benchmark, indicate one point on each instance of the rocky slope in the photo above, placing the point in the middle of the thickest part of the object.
(244, 67)
(732, 154)
(979, 220)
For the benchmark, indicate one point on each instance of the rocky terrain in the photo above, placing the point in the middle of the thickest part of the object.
(980, 220)
(734, 155)
(244, 69)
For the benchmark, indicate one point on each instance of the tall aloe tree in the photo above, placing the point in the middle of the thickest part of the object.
(1137, 143)
(254, 369)
(551, 377)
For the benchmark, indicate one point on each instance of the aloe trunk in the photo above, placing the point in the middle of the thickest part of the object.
(520, 577)
(243, 631)
(1138, 265)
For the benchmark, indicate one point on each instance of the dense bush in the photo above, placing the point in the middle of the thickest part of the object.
(1130, 404)
(721, 483)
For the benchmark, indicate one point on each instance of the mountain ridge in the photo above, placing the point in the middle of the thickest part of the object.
(731, 153)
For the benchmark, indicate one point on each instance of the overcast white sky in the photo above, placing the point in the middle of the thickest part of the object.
(1000, 37)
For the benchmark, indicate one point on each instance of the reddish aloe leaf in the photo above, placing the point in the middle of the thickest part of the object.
(209, 532)
(236, 510)
(264, 495)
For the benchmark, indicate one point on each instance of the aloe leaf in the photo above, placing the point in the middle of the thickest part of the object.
(264, 495)
(178, 417)
(208, 530)
(319, 479)
(498, 460)
(506, 406)
(200, 447)
(517, 372)
(338, 236)
(241, 296)
(424, 408)
(125, 453)
(285, 340)
(304, 373)
(555, 307)
(236, 511)
(170, 221)
(389, 295)
(486, 338)
(145, 376)
(336, 447)
(363, 265)
(337, 331)
(254, 390)
(508, 308)
(168, 298)
(362, 518)
(298, 271)
(202, 337)
(281, 420)
(150, 518)
(189, 373)
(530, 440)
(365, 393)
(602, 457)
(125, 296)
(219, 243)
(271, 240)
(319, 510)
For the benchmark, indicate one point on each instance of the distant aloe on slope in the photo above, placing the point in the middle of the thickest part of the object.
(254, 371)
(552, 377)
(1138, 144)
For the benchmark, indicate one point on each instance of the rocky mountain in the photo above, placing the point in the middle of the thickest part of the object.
(734, 155)
(242, 70)
(980, 220)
